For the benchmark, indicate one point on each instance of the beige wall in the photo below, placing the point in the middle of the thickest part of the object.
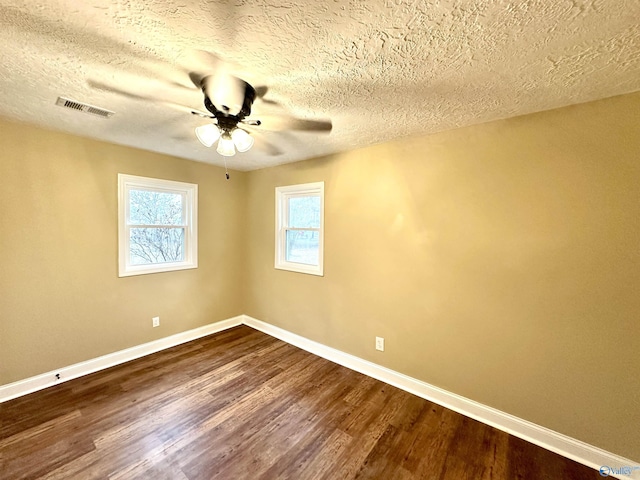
(500, 262)
(61, 300)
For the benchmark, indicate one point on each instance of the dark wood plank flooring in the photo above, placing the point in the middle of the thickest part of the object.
(242, 405)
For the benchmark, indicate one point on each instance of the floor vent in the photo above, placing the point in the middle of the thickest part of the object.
(83, 107)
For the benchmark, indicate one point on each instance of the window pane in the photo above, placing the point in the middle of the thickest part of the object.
(155, 208)
(156, 245)
(302, 246)
(304, 212)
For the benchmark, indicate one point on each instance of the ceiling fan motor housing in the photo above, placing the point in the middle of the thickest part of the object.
(229, 122)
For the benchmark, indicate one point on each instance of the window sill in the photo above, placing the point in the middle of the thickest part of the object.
(300, 268)
(147, 269)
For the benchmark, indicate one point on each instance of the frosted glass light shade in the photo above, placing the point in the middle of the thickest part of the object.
(208, 134)
(225, 146)
(241, 139)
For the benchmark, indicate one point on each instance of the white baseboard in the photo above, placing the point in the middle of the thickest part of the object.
(581, 452)
(44, 380)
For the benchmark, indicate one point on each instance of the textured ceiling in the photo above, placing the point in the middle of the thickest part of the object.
(379, 69)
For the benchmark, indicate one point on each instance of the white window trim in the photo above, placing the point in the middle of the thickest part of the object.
(190, 194)
(282, 194)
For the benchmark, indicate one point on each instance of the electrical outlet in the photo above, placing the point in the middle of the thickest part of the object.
(156, 321)
(380, 344)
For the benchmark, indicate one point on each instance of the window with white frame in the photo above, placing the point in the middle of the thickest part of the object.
(157, 225)
(300, 228)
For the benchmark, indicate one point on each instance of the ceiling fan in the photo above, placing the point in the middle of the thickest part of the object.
(228, 101)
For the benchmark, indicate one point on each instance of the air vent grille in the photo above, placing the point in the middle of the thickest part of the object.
(83, 107)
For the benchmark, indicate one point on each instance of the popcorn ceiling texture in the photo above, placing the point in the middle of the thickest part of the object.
(380, 69)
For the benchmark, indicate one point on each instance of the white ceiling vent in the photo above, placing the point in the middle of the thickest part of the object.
(83, 107)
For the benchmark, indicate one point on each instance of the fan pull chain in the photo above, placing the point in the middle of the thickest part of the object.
(226, 171)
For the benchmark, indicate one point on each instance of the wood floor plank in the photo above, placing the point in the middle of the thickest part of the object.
(313, 412)
(325, 410)
(241, 404)
(316, 456)
(366, 428)
(47, 457)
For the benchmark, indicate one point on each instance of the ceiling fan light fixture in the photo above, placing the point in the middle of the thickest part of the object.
(242, 140)
(226, 146)
(208, 134)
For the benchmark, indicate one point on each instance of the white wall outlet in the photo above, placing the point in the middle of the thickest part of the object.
(156, 321)
(380, 344)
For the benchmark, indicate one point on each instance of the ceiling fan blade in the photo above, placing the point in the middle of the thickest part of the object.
(196, 79)
(277, 123)
(182, 138)
(207, 61)
(180, 87)
(137, 96)
(261, 91)
(265, 146)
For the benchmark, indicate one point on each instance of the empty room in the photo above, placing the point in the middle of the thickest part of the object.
(296, 239)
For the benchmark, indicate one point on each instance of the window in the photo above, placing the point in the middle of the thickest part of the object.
(300, 228)
(157, 225)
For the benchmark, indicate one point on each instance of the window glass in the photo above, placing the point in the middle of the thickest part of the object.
(155, 208)
(304, 212)
(156, 245)
(302, 246)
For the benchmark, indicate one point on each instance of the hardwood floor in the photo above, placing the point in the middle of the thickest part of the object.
(242, 405)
